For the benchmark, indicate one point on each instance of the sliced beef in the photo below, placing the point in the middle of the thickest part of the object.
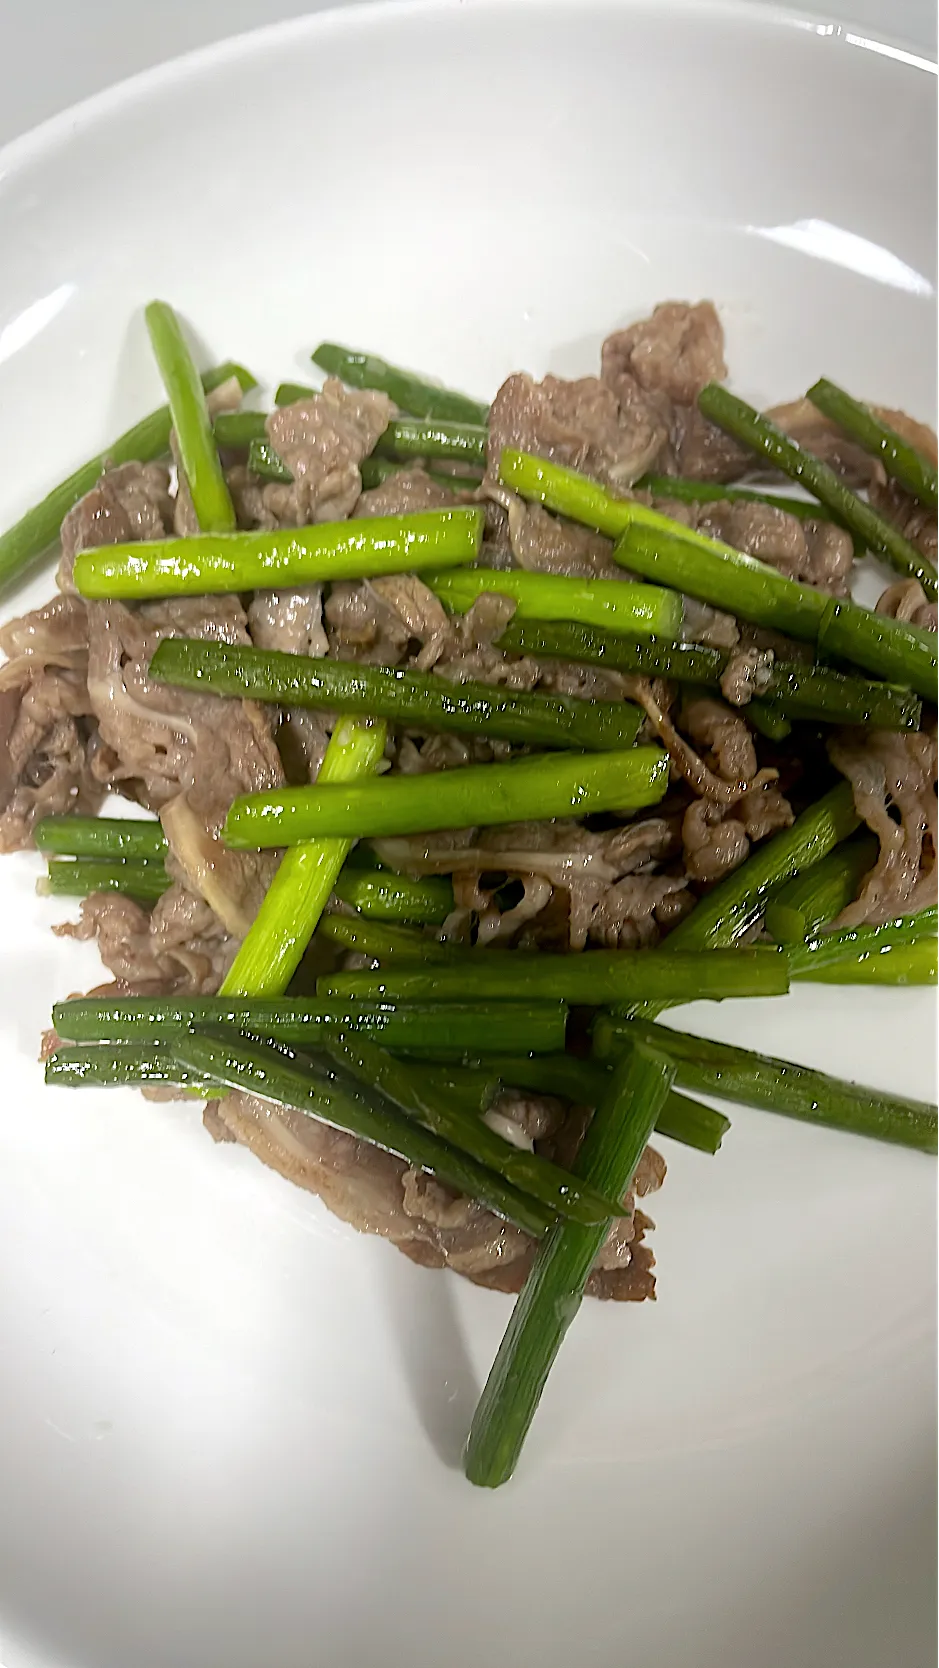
(380, 1194)
(717, 838)
(747, 674)
(675, 352)
(184, 755)
(424, 617)
(659, 367)
(545, 543)
(179, 945)
(893, 778)
(580, 424)
(128, 503)
(914, 520)
(468, 651)
(46, 725)
(905, 599)
(816, 552)
(611, 891)
(816, 433)
(728, 768)
(322, 440)
(362, 626)
(292, 622)
(715, 841)
(404, 493)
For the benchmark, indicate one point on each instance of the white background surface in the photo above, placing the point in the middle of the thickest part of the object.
(55, 52)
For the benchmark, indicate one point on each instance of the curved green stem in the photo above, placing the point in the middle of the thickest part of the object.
(417, 699)
(748, 426)
(198, 452)
(36, 532)
(552, 1294)
(905, 463)
(306, 875)
(548, 785)
(286, 556)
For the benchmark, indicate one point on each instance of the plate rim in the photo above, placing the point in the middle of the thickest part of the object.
(37, 141)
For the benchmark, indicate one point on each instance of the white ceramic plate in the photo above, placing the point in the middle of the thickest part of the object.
(229, 1426)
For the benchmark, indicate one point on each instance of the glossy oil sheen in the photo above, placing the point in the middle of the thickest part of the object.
(230, 1426)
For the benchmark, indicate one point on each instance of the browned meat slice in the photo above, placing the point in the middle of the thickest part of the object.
(580, 424)
(322, 440)
(747, 673)
(292, 621)
(593, 683)
(404, 493)
(128, 503)
(178, 945)
(710, 626)
(45, 720)
(361, 626)
(611, 894)
(816, 552)
(660, 365)
(716, 838)
(468, 650)
(729, 769)
(893, 778)
(817, 434)
(424, 617)
(379, 1194)
(915, 521)
(906, 600)
(715, 842)
(545, 543)
(723, 734)
(44, 763)
(674, 352)
(54, 635)
(184, 755)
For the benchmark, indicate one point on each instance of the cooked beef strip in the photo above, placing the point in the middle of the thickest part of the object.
(380, 1194)
(403, 493)
(915, 521)
(716, 727)
(361, 626)
(545, 543)
(581, 424)
(322, 440)
(44, 765)
(45, 720)
(714, 841)
(905, 599)
(128, 503)
(895, 773)
(816, 552)
(816, 433)
(183, 755)
(747, 673)
(292, 622)
(659, 367)
(612, 898)
(179, 945)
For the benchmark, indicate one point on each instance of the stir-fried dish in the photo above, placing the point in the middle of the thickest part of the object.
(463, 740)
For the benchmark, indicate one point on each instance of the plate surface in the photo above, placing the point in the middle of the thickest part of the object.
(229, 1426)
